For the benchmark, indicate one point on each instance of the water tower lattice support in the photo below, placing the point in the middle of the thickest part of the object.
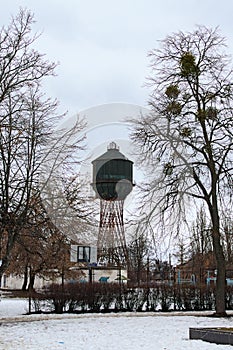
(111, 238)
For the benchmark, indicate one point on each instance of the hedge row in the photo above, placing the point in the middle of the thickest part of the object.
(112, 297)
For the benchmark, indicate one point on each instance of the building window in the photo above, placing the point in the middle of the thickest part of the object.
(84, 254)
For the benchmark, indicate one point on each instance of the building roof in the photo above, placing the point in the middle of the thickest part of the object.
(112, 153)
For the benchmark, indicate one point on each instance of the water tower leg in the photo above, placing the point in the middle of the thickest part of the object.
(111, 244)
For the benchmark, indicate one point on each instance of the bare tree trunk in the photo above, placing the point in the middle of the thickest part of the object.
(138, 275)
(221, 275)
(25, 278)
(31, 281)
(220, 306)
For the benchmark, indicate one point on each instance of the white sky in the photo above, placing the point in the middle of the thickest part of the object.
(102, 45)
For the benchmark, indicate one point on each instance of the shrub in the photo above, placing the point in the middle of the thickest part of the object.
(108, 297)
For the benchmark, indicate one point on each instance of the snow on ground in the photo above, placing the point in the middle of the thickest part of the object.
(129, 331)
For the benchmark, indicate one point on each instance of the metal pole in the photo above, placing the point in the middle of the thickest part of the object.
(147, 282)
(29, 292)
(90, 274)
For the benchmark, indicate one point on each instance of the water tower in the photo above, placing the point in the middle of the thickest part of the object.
(112, 182)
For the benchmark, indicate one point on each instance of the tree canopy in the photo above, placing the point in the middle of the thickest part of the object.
(27, 130)
(187, 138)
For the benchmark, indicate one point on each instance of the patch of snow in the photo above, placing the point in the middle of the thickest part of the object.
(13, 307)
(129, 331)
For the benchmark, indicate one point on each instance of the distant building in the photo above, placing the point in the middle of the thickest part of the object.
(201, 268)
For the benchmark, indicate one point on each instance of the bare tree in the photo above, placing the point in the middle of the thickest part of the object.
(138, 251)
(187, 138)
(200, 239)
(41, 251)
(227, 235)
(27, 122)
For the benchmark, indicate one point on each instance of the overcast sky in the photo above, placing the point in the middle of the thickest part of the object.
(102, 46)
